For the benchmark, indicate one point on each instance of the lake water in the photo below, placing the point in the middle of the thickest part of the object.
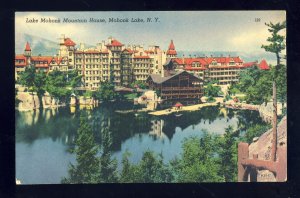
(44, 138)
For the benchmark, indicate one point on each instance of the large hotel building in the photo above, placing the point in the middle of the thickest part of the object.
(113, 61)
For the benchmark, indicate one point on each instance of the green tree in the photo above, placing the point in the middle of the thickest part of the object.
(86, 169)
(129, 172)
(256, 84)
(198, 162)
(138, 84)
(108, 166)
(74, 79)
(56, 86)
(212, 90)
(39, 85)
(228, 154)
(254, 131)
(152, 169)
(35, 81)
(106, 92)
(276, 45)
(277, 41)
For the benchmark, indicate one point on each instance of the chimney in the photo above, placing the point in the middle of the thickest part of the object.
(109, 40)
(62, 39)
(183, 59)
(81, 46)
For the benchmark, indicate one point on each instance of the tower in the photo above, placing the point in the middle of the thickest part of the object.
(171, 53)
(27, 53)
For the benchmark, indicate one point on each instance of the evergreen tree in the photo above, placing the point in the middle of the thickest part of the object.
(228, 154)
(198, 162)
(108, 166)
(277, 41)
(86, 169)
(129, 173)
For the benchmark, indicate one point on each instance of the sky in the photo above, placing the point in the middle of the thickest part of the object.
(190, 30)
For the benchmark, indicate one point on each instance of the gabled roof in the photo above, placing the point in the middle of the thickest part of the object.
(263, 65)
(20, 57)
(69, 42)
(171, 49)
(115, 43)
(128, 50)
(171, 46)
(27, 47)
(158, 79)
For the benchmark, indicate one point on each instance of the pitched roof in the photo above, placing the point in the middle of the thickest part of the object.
(157, 78)
(171, 49)
(171, 46)
(115, 43)
(249, 64)
(69, 42)
(27, 47)
(128, 50)
(263, 65)
(20, 57)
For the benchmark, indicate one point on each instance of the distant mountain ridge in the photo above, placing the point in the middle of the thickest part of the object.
(38, 45)
(44, 46)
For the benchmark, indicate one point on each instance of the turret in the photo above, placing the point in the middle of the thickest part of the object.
(171, 53)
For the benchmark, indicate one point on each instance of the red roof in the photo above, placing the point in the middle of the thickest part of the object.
(171, 46)
(27, 47)
(38, 59)
(20, 57)
(128, 50)
(249, 64)
(69, 42)
(57, 59)
(171, 50)
(115, 43)
(263, 65)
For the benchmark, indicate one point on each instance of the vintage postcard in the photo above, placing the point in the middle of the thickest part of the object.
(150, 97)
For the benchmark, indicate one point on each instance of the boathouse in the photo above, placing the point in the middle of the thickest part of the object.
(179, 86)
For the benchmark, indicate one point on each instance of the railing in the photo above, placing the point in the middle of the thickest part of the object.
(247, 166)
(179, 88)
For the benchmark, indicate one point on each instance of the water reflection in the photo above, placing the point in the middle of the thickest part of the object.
(136, 132)
(61, 124)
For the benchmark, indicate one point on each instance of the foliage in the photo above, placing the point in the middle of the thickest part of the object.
(74, 79)
(35, 81)
(108, 166)
(210, 99)
(87, 168)
(88, 94)
(27, 77)
(56, 85)
(212, 90)
(198, 162)
(106, 92)
(139, 84)
(150, 169)
(228, 154)
(256, 84)
(254, 131)
(277, 41)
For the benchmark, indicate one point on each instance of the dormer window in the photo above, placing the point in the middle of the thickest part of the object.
(196, 64)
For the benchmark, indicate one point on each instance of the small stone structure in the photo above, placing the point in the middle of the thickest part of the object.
(254, 160)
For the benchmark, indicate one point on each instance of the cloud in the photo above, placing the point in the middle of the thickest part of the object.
(46, 30)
